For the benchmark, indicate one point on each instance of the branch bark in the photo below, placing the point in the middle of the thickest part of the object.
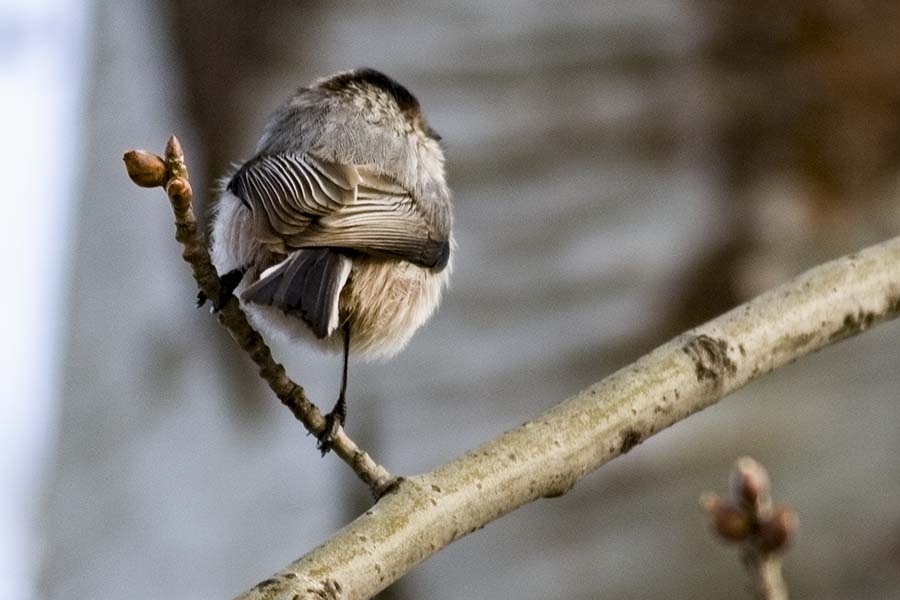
(149, 170)
(546, 456)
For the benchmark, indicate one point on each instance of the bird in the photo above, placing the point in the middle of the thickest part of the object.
(338, 230)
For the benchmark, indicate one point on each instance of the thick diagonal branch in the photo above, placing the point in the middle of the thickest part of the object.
(149, 170)
(546, 456)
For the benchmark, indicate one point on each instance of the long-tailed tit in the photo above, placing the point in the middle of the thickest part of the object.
(338, 229)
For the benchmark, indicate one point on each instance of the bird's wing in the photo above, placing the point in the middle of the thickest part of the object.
(286, 192)
(299, 201)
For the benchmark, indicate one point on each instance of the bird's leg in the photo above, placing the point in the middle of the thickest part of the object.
(338, 414)
(229, 281)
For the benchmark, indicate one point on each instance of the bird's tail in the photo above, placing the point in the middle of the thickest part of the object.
(307, 284)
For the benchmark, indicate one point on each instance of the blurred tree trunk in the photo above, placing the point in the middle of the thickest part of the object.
(808, 135)
(234, 64)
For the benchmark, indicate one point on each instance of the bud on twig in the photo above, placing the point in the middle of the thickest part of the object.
(751, 486)
(175, 159)
(749, 518)
(729, 521)
(145, 168)
(778, 531)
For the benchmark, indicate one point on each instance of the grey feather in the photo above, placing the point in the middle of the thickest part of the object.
(300, 201)
(306, 284)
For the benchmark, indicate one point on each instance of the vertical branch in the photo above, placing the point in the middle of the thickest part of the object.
(150, 170)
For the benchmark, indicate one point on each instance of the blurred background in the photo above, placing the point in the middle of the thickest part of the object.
(622, 171)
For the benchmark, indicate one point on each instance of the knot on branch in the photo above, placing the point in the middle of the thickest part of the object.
(286, 585)
(710, 358)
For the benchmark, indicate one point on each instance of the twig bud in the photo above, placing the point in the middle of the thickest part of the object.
(778, 531)
(751, 487)
(179, 192)
(175, 158)
(749, 518)
(145, 168)
(173, 149)
(730, 522)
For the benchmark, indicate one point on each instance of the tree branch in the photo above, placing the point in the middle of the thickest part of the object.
(150, 170)
(546, 456)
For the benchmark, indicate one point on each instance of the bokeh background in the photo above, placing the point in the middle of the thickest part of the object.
(622, 170)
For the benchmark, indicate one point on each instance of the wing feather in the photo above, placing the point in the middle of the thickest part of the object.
(299, 201)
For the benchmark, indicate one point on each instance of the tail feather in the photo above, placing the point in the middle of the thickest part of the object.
(307, 284)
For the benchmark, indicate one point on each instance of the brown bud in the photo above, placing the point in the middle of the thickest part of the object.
(751, 487)
(175, 158)
(179, 192)
(778, 531)
(173, 149)
(145, 169)
(730, 521)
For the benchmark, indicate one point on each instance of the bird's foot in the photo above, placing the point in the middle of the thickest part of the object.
(333, 422)
(229, 281)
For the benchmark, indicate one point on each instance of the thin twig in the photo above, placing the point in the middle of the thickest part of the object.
(546, 456)
(749, 518)
(150, 170)
(766, 572)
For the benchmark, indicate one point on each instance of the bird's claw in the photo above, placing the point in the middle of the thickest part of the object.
(229, 281)
(218, 304)
(333, 424)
